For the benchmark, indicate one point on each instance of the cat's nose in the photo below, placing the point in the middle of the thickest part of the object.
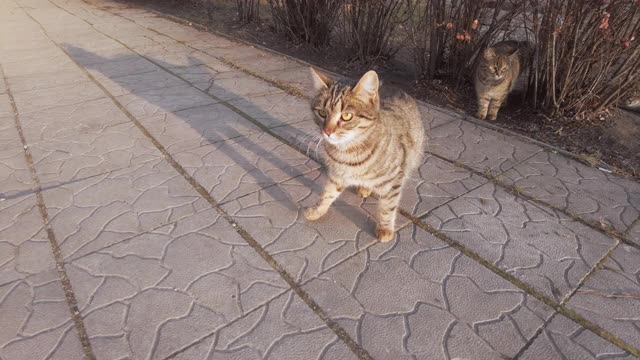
(327, 131)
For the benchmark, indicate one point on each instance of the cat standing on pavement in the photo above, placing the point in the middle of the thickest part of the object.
(496, 75)
(371, 144)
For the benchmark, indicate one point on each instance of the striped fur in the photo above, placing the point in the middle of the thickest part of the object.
(374, 151)
(496, 75)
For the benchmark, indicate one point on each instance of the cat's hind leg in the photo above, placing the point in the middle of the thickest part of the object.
(332, 189)
(387, 210)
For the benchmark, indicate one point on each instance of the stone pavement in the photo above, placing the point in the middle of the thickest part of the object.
(151, 181)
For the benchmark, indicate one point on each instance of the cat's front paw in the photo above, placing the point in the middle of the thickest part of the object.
(481, 116)
(492, 117)
(384, 234)
(313, 213)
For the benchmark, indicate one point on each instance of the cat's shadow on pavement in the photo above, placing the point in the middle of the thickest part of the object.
(223, 130)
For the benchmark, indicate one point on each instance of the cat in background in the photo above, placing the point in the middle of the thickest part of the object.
(496, 75)
(372, 144)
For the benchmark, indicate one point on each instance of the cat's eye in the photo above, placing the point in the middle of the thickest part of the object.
(347, 116)
(322, 113)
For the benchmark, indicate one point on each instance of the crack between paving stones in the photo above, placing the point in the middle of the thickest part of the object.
(360, 352)
(493, 178)
(67, 288)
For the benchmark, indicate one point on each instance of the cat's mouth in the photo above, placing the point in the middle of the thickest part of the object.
(335, 139)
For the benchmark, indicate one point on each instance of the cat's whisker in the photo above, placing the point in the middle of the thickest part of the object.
(318, 145)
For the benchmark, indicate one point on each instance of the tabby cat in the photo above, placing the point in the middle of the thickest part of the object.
(496, 75)
(372, 144)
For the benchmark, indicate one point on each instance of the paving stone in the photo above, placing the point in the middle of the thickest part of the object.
(39, 65)
(240, 166)
(24, 248)
(417, 298)
(206, 73)
(578, 189)
(89, 214)
(435, 183)
(43, 99)
(482, 149)
(563, 339)
(298, 77)
(540, 246)
(285, 328)
(36, 322)
(6, 110)
(15, 176)
(277, 109)
(46, 80)
(609, 297)
(305, 136)
(100, 56)
(235, 88)
(633, 234)
(97, 151)
(120, 66)
(264, 61)
(273, 216)
(191, 128)
(128, 84)
(71, 122)
(162, 101)
(140, 299)
(170, 56)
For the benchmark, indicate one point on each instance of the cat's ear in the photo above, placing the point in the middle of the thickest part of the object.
(320, 80)
(489, 53)
(514, 54)
(368, 85)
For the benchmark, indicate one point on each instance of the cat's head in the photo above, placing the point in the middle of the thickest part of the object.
(495, 64)
(345, 112)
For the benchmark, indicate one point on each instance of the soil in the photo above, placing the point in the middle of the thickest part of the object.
(610, 141)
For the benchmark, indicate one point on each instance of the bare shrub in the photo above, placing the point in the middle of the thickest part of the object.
(586, 57)
(446, 36)
(370, 25)
(309, 21)
(248, 10)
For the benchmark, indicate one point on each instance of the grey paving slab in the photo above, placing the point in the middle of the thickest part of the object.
(43, 99)
(39, 65)
(417, 298)
(97, 151)
(235, 88)
(71, 122)
(578, 189)
(187, 129)
(91, 213)
(90, 58)
(36, 320)
(46, 80)
(205, 73)
(174, 55)
(24, 248)
(276, 109)
(564, 339)
(297, 76)
(480, 148)
(9, 138)
(610, 297)
(120, 65)
(163, 101)
(128, 84)
(264, 61)
(240, 166)
(15, 176)
(540, 246)
(6, 110)
(273, 216)
(140, 299)
(285, 328)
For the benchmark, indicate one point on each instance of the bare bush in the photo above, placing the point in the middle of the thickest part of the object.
(446, 36)
(248, 10)
(370, 25)
(309, 21)
(586, 56)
